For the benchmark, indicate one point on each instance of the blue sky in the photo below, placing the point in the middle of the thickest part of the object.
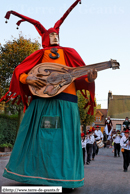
(98, 29)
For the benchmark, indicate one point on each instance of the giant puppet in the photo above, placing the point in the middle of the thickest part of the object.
(48, 149)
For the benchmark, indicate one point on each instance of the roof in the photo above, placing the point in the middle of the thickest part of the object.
(103, 113)
(98, 111)
(119, 106)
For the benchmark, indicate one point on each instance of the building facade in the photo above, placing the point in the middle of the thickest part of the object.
(100, 117)
(118, 109)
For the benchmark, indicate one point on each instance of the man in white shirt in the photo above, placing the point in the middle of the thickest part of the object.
(116, 139)
(99, 136)
(89, 145)
(125, 145)
(94, 144)
(83, 142)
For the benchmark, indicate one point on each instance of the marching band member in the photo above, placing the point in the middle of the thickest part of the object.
(89, 145)
(99, 137)
(116, 140)
(113, 135)
(94, 144)
(104, 139)
(83, 142)
(125, 148)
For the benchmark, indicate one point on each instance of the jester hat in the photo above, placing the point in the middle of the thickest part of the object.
(39, 27)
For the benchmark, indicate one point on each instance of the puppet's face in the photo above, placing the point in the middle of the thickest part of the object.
(54, 39)
(47, 124)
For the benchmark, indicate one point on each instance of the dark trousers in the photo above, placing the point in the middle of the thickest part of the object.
(97, 149)
(116, 149)
(105, 144)
(83, 149)
(89, 148)
(126, 159)
(94, 150)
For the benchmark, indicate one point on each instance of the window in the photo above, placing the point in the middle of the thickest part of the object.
(118, 127)
(98, 119)
(50, 122)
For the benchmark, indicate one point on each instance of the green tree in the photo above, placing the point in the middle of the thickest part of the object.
(85, 118)
(12, 53)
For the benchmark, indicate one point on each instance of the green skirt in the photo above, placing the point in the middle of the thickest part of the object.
(48, 150)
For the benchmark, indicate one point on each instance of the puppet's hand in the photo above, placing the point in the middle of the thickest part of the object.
(92, 75)
(36, 82)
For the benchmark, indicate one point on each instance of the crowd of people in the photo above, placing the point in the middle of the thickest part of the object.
(118, 139)
(90, 143)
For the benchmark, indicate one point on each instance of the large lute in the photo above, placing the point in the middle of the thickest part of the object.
(58, 77)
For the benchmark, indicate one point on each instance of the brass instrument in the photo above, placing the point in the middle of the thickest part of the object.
(117, 134)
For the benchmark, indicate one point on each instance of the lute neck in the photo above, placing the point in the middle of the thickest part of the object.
(80, 71)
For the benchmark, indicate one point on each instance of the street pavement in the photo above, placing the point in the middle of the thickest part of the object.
(104, 175)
